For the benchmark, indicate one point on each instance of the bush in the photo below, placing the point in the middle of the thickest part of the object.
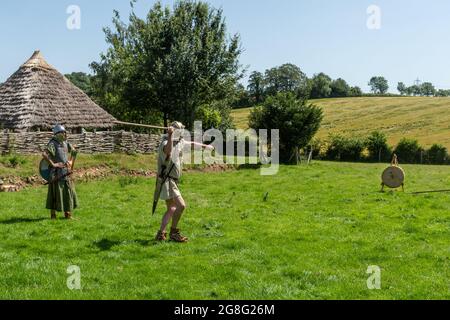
(408, 151)
(13, 160)
(437, 154)
(318, 147)
(378, 148)
(297, 121)
(209, 116)
(341, 148)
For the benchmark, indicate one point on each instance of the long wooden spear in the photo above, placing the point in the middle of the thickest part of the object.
(140, 125)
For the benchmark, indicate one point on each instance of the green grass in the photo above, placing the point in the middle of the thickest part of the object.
(424, 118)
(29, 164)
(314, 238)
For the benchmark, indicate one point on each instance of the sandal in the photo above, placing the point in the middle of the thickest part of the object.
(161, 236)
(176, 236)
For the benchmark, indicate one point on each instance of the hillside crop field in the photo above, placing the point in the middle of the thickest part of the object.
(424, 118)
(310, 232)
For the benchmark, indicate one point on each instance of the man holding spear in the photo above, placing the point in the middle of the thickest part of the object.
(170, 161)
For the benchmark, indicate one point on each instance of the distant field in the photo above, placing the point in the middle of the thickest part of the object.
(424, 118)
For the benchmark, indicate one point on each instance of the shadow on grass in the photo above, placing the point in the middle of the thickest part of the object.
(22, 220)
(106, 244)
(249, 166)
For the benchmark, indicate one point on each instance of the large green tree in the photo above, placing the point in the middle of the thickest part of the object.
(401, 87)
(320, 86)
(287, 78)
(427, 89)
(379, 85)
(339, 88)
(169, 64)
(82, 81)
(297, 121)
(256, 86)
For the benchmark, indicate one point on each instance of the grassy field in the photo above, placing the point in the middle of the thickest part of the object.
(424, 118)
(313, 238)
(28, 165)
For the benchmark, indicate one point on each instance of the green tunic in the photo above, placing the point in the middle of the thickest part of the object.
(61, 194)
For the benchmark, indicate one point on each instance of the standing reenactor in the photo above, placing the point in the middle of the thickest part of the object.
(60, 154)
(170, 161)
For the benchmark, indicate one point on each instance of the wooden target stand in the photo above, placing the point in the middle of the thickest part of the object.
(393, 177)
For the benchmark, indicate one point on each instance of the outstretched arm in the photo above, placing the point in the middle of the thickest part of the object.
(206, 146)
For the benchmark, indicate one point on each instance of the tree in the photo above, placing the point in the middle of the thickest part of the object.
(243, 98)
(437, 154)
(168, 64)
(355, 92)
(320, 86)
(256, 86)
(376, 144)
(416, 90)
(427, 89)
(379, 85)
(297, 121)
(339, 88)
(442, 93)
(408, 150)
(409, 91)
(401, 87)
(343, 148)
(287, 78)
(82, 81)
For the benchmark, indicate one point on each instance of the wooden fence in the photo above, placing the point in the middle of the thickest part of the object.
(88, 142)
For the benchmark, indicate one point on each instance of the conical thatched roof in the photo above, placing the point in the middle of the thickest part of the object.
(37, 96)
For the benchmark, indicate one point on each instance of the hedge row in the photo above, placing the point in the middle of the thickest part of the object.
(375, 148)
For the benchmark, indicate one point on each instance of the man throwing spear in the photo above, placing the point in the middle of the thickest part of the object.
(170, 161)
(60, 155)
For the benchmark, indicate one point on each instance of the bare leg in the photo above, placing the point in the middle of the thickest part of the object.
(180, 207)
(168, 215)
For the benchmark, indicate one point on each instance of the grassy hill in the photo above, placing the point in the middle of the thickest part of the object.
(424, 118)
(304, 241)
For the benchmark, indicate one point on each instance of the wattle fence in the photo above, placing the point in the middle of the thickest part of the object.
(88, 142)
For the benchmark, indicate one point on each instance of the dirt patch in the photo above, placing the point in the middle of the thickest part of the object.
(212, 168)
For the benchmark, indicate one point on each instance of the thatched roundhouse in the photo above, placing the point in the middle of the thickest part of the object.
(37, 96)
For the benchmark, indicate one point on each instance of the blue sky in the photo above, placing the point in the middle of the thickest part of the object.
(317, 35)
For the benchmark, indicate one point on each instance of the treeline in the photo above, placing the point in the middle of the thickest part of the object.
(289, 78)
(380, 86)
(426, 89)
(374, 148)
